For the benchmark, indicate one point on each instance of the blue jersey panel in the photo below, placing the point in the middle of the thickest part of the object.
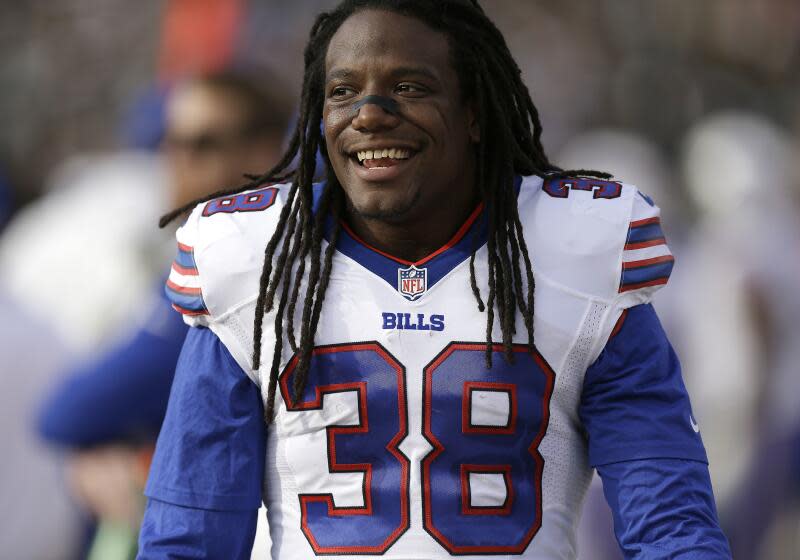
(170, 531)
(210, 453)
(634, 404)
(664, 508)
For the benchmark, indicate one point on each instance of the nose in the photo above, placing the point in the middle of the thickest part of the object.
(372, 117)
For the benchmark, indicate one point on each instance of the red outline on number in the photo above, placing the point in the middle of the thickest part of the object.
(468, 427)
(331, 433)
(363, 427)
(231, 208)
(466, 490)
(533, 449)
(561, 188)
(598, 186)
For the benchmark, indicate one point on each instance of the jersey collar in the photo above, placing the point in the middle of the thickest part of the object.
(470, 237)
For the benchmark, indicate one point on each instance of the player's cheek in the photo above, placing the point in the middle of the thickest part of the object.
(334, 121)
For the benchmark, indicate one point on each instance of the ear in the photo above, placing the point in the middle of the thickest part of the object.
(473, 127)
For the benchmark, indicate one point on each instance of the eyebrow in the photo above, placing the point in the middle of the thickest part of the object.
(345, 73)
(414, 70)
(340, 74)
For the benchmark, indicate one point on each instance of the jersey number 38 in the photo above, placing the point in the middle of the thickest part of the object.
(481, 481)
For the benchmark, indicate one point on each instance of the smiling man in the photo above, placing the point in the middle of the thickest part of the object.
(426, 355)
(398, 160)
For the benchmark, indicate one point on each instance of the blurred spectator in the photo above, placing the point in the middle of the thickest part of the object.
(219, 128)
(108, 411)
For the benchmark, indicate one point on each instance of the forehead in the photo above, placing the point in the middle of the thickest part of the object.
(378, 37)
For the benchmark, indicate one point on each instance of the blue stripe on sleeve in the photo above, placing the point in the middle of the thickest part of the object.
(664, 508)
(185, 259)
(645, 233)
(634, 404)
(210, 453)
(190, 303)
(647, 273)
(170, 531)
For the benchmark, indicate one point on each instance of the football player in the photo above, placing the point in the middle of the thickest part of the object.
(426, 355)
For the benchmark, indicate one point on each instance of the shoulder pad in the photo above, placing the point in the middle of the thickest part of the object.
(221, 252)
(600, 238)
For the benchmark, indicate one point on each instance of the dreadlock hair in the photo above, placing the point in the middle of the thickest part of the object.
(510, 145)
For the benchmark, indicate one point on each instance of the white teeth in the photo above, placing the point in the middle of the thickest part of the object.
(394, 153)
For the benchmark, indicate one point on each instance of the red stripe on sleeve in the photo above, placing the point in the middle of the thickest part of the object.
(646, 222)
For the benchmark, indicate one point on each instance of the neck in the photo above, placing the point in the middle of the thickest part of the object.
(414, 239)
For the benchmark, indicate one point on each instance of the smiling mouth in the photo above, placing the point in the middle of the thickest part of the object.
(378, 159)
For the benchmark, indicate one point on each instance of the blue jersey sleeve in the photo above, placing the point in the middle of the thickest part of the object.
(634, 404)
(121, 396)
(210, 453)
(664, 508)
(171, 531)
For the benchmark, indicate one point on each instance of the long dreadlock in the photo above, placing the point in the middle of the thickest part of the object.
(509, 124)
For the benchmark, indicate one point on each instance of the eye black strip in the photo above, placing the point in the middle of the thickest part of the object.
(386, 103)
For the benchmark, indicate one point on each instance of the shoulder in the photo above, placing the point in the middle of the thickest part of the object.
(220, 252)
(600, 238)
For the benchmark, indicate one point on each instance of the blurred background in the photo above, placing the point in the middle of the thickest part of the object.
(113, 113)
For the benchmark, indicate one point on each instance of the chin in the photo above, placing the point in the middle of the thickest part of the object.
(382, 206)
(382, 212)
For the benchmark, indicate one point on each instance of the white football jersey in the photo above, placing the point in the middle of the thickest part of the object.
(404, 443)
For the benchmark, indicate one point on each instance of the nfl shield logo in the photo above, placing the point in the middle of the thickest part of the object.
(412, 282)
